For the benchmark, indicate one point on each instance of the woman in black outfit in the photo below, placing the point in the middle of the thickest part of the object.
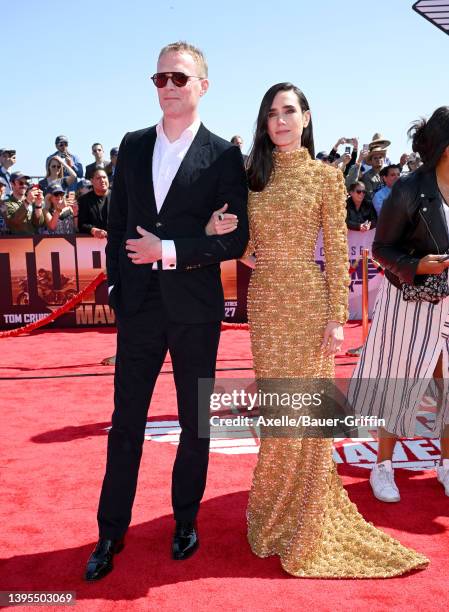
(406, 352)
(361, 215)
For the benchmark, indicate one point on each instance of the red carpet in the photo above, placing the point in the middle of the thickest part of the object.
(52, 456)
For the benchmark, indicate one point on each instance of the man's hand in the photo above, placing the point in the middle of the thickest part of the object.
(98, 233)
(147, 249)
(40, 198)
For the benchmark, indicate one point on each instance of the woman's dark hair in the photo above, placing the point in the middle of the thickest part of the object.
(260, 162)
(430, 138)
(97, 170)
(352, 186)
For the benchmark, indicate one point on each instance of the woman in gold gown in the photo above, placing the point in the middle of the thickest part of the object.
(298, 508)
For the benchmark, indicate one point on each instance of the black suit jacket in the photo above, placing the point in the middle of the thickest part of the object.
(90, 215)
(211, 174)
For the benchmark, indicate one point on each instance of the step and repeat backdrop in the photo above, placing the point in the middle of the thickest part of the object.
(38, 274)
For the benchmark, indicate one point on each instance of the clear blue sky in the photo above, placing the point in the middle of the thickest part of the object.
(81, 67)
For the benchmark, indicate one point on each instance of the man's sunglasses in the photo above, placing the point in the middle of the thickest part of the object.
(63, 143)
(160, 79)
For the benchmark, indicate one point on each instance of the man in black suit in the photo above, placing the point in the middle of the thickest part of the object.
(100, 162)
(165, 287)
(94, 206)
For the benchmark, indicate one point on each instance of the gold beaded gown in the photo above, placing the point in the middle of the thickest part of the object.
(298, 508)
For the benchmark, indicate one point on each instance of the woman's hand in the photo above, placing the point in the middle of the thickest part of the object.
(66, 162)
(221, 222)
(332, 339)
(365, 227)
(432, 264)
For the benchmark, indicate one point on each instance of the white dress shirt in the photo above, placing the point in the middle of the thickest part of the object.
(167, 158)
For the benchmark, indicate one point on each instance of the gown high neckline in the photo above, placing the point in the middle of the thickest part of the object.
(288, 159)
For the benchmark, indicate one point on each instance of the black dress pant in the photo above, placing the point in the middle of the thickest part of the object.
(142, 343)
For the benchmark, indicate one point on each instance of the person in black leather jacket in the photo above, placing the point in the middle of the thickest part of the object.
(408, 341)
(361, 215)
(411, 236)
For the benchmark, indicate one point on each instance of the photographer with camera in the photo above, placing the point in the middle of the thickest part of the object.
(348, 158)
(61, 215)
(23, 214)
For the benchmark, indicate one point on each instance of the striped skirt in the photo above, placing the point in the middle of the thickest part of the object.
(396, 366)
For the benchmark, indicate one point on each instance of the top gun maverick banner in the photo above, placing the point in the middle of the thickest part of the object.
(40, 273)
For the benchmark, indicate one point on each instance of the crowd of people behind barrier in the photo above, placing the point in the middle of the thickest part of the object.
(70, 199)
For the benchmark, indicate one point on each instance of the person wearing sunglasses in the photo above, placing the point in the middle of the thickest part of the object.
(371, 178)
(72, 160)
(403, 367)
(61, 215)
(361, 215)
(23, 216)
(165, 287)
(58, 173)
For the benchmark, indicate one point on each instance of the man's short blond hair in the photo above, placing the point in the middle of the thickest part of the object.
(184, 47)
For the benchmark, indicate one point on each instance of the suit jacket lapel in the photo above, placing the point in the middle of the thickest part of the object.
(189, 163)
(145, 173)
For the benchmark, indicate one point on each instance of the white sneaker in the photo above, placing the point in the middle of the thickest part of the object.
(443, 475)
(383, 484)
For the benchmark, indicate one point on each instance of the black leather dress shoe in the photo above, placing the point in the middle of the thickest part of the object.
(100, 561)
(185, 540)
